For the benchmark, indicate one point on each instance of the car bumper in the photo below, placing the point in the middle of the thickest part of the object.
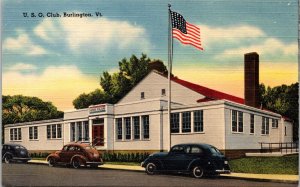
(94, 163)
(223, 171)
(21, 159)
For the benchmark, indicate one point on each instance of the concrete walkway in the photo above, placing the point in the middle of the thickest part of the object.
(247, 176)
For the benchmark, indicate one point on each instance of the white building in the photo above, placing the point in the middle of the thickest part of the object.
(139, 122)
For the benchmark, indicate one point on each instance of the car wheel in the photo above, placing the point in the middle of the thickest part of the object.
(51, 162)
(75, 163)
(151, 168)
(7, 159)
(198, 172)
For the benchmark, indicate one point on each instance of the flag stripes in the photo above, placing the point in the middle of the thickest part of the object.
(185, 32)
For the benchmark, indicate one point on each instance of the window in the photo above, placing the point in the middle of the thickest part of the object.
(79, 131)
(33, 133)
(186, 122)
(48, 131)
(127, 128)
(54, 131)
(174, 122)
(119, 128)
(178, 149)
(274, 123)
(72, 132)
(237, 121)
(15, 134)
(163, 92)
(145, 121)
(196, 150)
(198, 121)
(251, 123)
(142, 95)
(85, 130)
(285, 131)
(136, 124)
(265, 126)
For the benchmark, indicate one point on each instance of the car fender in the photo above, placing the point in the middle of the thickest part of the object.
(157, 162)
(81, 158)
(55, 156)
(195, 162)
(7, 153)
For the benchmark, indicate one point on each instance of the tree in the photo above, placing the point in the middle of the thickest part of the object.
(283, 100)
(18, 109)
(117, 85)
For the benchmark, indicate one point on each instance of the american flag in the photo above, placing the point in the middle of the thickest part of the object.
(185, 32)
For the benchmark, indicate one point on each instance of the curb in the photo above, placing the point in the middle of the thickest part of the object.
(261, 180)
(221, 176)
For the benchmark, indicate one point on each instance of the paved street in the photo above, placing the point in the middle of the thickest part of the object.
(42, 175)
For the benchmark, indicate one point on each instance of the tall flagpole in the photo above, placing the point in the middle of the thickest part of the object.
(170, 58)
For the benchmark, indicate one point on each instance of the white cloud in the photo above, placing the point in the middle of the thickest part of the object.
(82, 34)
(232, 34)
(23, 44)
(22, 67)
(270, 46)
(58, 84)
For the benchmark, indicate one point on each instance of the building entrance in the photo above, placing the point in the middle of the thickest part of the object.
(98, 132)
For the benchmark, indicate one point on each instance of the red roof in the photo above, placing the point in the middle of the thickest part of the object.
(209, 94)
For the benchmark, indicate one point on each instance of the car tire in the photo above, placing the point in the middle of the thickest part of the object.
(198, 172)
(51, 162)
(7, 159)
(151, 168)
(75, 163)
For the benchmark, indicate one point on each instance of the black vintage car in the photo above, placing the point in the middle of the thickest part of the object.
(197, 159)
(14, 152)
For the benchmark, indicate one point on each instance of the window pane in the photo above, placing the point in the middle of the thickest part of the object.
(86, 131)
(119, 128)
(136, 122)
(241, 122)
(252, 123)
(15, 134)
(174, 122)
(35, 133)
(53, 128)
(234, 121)
(72, 132)
(19, 134)
(11, 134)
(48, 131)
(198, 121)
(128, 128)
(186, 122)
(30, 133)
(59, 130)
(145, 120)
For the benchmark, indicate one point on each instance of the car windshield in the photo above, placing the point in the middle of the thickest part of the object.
(215, 151)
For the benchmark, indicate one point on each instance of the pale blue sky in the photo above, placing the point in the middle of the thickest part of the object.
(88, 46)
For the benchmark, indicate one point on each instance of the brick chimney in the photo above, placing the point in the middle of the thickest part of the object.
(251, 79)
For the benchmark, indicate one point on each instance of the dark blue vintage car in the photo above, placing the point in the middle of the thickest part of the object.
(197, 159)
(14, 152)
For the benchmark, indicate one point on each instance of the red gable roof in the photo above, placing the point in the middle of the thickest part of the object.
(210, 94)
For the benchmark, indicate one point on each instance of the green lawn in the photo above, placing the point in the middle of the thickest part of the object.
(266, 165)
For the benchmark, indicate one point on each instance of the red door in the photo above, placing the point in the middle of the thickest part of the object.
(98, 135)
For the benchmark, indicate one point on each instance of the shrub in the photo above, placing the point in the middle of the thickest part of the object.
(124, 157)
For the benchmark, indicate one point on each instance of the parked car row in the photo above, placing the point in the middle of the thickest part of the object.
(196, 159)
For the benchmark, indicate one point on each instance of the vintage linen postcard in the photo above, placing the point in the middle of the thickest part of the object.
(93, 91)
